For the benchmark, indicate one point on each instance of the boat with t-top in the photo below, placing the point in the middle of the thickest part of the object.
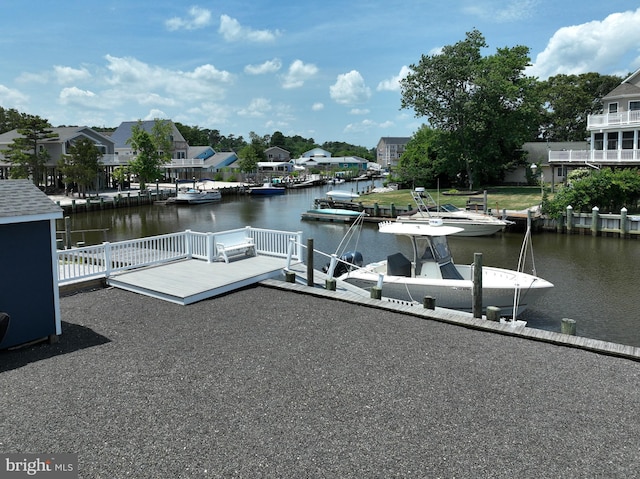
(432, 272)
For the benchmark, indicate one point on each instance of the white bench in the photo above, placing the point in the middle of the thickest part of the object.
(233, 243)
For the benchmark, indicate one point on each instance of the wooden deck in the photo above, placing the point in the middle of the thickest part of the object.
(188, 281)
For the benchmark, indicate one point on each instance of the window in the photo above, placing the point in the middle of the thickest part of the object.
(634, 105)
(627, 140)
(612, 141)
(613, 108)
(598, 141)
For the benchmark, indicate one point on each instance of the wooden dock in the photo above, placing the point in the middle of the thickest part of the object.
(188, 281)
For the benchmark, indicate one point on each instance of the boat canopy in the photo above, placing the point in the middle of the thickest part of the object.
(434, 228)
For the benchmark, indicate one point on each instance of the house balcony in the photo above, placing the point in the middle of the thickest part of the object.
(596, 157)
(614, 120)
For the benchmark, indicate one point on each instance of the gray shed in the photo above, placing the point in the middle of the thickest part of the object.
(28, 262)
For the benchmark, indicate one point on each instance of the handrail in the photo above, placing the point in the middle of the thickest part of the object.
(99, 261)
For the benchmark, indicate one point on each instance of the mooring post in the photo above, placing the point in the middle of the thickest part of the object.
(568, 326)
(595, 227)
(330, 284)
(67, 231)
(290, 276)
(429, 302)
(309, 261)
(623, 223)
(493, 313)
(569, 219)
(477, 285)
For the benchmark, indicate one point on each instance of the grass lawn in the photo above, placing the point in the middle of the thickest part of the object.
(498, 198)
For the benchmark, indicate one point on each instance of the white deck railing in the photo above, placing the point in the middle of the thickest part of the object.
(623, 118)
(100, 261)
(595, 156)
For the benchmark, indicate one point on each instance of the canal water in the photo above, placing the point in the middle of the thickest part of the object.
(594, 277)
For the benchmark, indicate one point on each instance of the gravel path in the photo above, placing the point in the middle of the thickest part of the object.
(270, 383)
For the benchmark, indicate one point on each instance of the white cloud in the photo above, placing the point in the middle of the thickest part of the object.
(257, 108)
(591, 47)
(359, 111)
(76, 96)
(156, 114)
(65, 75)
(317, 106)
(11, 98)
(393, 83)
(197, 18)
(133, 77)
(501, 11)
(363, 126)
(298, 73)
(232, 31)
(349, 89)
(270, 66)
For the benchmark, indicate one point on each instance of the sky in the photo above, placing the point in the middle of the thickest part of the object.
(325, 70)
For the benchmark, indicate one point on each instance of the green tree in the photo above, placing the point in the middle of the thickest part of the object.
(10, 119)
(152, 151)
(569, 100)
(26, 154)
(82, 164)
(248, 159)
(278, 139)
(120, 174)
(486, 105)
(420, 164)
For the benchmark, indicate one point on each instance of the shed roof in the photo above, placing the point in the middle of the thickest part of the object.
(22, 201)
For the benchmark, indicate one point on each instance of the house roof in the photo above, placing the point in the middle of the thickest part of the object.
(123, 132)
(395, 140)
(624, 89)
(22, 201)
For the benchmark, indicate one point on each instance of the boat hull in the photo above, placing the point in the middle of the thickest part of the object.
(499, 288)
(263, 191)
(198, 197)
(470, 226)
(331, 214)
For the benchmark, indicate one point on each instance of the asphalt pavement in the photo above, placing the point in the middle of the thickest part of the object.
(270, 383)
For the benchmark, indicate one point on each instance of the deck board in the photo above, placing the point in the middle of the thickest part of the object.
(187, 281)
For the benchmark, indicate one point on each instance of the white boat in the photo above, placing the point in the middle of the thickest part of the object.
(342, 195)
(332, 214)
(433, 273)
(472, 223)
(267, 189)
(192, 196)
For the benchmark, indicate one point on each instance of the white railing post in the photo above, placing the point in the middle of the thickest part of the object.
(187, 243)
(332, 265)
(292, 244)
(107, 258)
(209, 247)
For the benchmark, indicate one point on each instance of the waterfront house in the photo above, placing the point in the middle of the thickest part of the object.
(614, 134)
(63, 138)
(275, 153)
(320, 159)
(390, 149)
(28, 283)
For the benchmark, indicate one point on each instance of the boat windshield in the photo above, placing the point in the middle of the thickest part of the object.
(449, 207)
(440, 248)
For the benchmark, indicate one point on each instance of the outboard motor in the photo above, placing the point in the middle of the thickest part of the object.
(351, 257)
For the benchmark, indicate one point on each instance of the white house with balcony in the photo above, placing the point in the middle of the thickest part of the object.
(614, 135)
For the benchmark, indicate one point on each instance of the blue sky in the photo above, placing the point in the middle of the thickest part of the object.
(325, 70)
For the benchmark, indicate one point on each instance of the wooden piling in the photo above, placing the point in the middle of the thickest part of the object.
(310, 262)
(568, 326)
(330, 284)
(290, 276)
(493, 313)
(477, 285)
(376, 293)
(429, 302)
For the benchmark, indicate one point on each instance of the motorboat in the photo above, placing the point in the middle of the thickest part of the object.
(432, 272)
(473, 223)
(267, 189)
(332, 214)
(342, 195)
(193, 196)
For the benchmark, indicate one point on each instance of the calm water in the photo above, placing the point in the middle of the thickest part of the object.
(594, 278)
